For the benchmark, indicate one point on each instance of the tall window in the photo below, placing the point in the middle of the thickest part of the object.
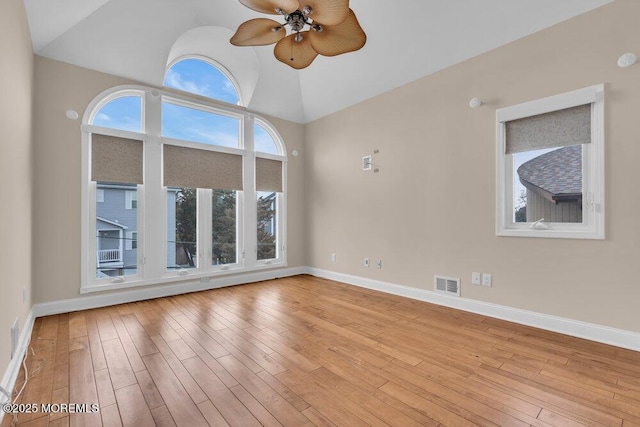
(269, 185)
(551, 168)
(190, 192)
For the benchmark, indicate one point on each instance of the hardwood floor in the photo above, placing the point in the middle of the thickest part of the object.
(303, 351)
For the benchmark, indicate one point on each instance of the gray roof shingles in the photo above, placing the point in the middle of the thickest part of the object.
(558, 172)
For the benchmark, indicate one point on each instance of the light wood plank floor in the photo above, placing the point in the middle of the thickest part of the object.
(303, 351)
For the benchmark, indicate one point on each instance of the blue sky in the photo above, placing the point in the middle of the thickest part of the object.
(198, 77)
(201, 78)
(123, 113)
(199, 126)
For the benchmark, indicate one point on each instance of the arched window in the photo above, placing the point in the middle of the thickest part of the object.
(266, 141)
(123, 112)
(202, 77)
(176, 190)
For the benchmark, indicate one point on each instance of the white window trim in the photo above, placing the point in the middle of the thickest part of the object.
(593, 221)
(152, 228)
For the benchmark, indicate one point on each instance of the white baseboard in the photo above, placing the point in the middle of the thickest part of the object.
(576, 328)
(603, 334)
(140, 294)
(11, 374)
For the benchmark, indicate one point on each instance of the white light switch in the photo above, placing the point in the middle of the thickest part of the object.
(475, 278)
(486, 279)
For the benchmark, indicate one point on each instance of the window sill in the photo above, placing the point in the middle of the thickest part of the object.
(203, 277)
(551, 233)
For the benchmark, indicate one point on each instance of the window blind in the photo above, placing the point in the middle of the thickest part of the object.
(570, 126)
(268, 175)
(194, 168)
(115, 159)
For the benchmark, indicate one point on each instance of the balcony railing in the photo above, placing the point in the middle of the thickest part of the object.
(109, 255)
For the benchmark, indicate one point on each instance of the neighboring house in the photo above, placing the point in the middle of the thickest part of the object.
(554, 185)
(117, 229)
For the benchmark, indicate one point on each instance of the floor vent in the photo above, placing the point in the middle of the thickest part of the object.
(449, 285)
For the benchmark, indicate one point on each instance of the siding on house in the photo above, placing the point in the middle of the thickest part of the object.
(539, 207)
(113, 208)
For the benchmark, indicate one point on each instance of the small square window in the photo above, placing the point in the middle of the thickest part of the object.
(550, 160)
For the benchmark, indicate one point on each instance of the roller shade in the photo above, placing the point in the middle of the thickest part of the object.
(193, 168)
(115, 159)
(571, 126)
(268, 175)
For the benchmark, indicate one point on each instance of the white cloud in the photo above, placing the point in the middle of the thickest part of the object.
(175, 80)
(102, 117)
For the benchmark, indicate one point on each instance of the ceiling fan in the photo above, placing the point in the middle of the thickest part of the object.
(332, 29)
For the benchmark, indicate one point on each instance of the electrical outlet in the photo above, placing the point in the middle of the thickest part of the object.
(379, 264)
(475, 278)
(486, 279)
(205, 279)
(333, 257)
(366, 262)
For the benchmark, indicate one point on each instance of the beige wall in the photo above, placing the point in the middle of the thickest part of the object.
(16, 87)
(60, 87)
(431, 208)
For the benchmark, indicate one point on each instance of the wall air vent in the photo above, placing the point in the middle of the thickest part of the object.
(449, 285)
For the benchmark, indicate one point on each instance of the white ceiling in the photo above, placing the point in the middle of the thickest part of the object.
(407, 39)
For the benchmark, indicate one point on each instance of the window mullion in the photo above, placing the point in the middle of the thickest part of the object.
(153, 248)
(250, 217)
(205, 229)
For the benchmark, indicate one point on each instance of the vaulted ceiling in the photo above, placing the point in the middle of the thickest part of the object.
(407, 39)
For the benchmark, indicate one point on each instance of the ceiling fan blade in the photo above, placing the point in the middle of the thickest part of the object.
(295, 54)
(337, 39)
(270, 6)
(258, 32)
(327, 12)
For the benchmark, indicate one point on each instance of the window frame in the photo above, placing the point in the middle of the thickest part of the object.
(129, 198)
(593, 220)
(281, 209)
(129, 239)
(152, 253)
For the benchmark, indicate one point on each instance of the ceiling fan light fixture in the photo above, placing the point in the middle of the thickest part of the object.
(332, 31)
